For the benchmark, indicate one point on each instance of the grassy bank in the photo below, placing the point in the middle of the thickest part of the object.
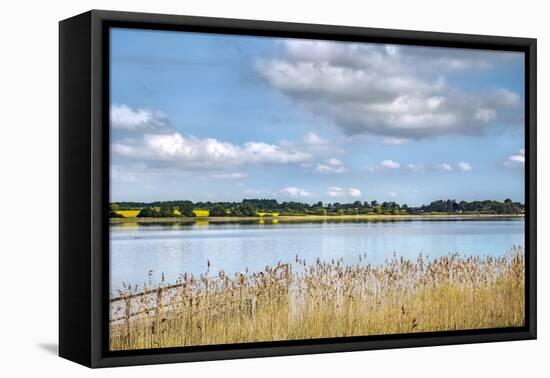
(324, 299)
(313, 218)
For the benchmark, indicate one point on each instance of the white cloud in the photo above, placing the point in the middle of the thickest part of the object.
(335, 191)
(444, 167)
(485, 115)
(393, 141)
(259, 152)
(416, 167)
(393, 91)
(295, 192)
(504, 97)
(516, 160)
(353, 192)
(231, 175)
(392, 194)
(519, 157)
(464, 167)
(330, 166)
(390, 164)
(313, 139)
(180, 151)
(124, 117)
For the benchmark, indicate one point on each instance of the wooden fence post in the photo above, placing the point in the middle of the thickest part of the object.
(127, 314)
(158, 311)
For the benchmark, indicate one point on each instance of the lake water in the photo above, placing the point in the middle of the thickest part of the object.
(175, 249)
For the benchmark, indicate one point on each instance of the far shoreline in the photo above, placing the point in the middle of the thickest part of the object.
(306, 218)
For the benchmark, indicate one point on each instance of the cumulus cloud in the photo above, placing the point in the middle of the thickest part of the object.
(397, 92)
(445, 167)
(385, 164)
(464, 167)
(390, 164)
(354, 192)
(295, 192)
(124, 117)
(421, 167)
(392, 194)
(313, 139)
(516, 160)
(485, 115)
(335, 191)
(330, 166)
(189, 151)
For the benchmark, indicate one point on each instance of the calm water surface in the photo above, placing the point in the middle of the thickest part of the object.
(175, 249)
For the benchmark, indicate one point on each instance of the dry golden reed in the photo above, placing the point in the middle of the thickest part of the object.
(324, 299)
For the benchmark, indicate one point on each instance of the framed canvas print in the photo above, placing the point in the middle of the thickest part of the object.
(234, 188)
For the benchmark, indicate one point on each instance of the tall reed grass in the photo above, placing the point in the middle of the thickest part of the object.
(323, 299)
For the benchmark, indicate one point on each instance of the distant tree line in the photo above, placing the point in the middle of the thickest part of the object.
(484, 207)
(251, 207)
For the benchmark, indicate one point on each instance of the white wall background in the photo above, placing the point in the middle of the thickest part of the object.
(29, 186)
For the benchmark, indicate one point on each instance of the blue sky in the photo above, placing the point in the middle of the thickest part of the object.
(212, 117)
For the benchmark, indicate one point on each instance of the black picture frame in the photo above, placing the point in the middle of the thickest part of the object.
(84, 187)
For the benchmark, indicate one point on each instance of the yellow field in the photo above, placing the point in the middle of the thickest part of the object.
(128, 213)
(324, 299)
(134, 213)
(268, 214)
